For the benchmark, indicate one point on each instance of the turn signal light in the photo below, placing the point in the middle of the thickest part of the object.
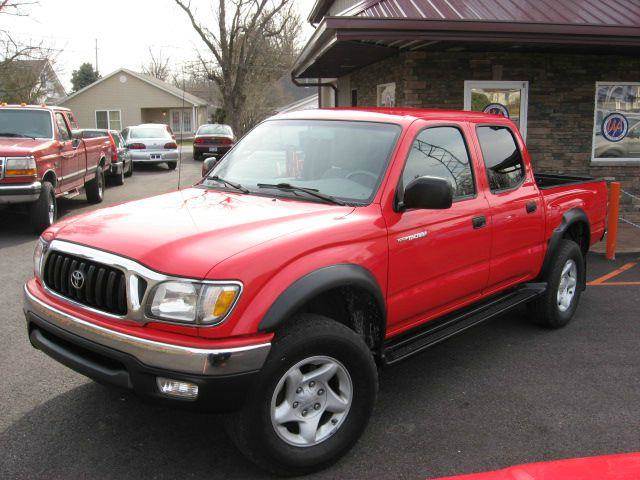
(171, 145)
(20, 166)
(136, 146)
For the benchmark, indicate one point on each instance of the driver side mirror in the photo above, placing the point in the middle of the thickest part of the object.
(208, 164)
(427, 193)
(75, 142)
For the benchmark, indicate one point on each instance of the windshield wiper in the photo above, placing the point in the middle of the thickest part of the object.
(237, 186)
(309, 191)
(14, 135)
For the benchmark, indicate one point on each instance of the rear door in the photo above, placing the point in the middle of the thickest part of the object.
(516, 210)
(71, 173)
(438, 259)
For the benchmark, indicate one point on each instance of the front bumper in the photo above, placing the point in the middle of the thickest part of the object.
(222, 375)
(154, 156)
(20, 193)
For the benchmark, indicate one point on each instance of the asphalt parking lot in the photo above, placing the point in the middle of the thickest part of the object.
(503, 393)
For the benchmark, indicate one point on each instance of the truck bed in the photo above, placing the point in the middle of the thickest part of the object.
(550, 180)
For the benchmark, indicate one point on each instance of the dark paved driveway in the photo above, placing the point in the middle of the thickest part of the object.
(503, 393)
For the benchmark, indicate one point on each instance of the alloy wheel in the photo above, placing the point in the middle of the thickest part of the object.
(567, 285)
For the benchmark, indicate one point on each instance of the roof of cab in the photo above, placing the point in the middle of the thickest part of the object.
(38, 107)
(400, 115)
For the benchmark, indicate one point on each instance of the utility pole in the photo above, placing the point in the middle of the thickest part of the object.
(96, 55)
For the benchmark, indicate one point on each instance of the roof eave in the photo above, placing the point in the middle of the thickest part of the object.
(334, 29)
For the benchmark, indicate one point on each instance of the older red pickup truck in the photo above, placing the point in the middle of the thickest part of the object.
(324, 245)
(41, 160)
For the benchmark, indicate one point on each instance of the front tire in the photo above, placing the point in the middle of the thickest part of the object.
(44, 211)
(556, 307)
(118, 179)
(313, 401)
(95, 188)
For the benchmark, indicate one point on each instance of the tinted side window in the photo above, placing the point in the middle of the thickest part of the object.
(63, 130)
(502, 157)
(441, 152)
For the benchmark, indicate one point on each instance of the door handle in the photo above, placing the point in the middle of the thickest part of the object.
(479, 222)
(532, 207)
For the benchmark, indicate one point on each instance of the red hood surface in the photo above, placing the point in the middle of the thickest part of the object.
(21, 146)
(607, 467)
(186, 233)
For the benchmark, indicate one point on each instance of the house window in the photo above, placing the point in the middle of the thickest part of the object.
(109, 119)
(616, 132)
(186, 121)
(509, 99)
(181, 121)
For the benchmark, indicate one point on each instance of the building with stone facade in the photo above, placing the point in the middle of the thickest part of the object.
(567, 72)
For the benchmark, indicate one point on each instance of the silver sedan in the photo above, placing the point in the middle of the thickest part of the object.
(151, 143)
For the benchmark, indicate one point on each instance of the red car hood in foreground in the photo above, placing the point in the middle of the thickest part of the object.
(186, 233)
(608, 467)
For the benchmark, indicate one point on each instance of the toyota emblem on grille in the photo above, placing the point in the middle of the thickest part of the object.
(77, 279)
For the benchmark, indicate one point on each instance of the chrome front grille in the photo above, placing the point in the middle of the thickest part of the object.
(87, 282)
(3, 161)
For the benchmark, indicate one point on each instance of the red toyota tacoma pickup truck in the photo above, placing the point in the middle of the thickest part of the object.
(41, 160)
(325, 245)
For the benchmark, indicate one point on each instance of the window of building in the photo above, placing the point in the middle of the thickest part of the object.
(63, 129)
(509, 99)
(109, 119)
(441, 152)
(616, 132)
(502, 158)
(181, 121)
(386, 95)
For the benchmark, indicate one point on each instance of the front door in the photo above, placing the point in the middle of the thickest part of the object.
(71, 176)
(509, 99)
(438, 259)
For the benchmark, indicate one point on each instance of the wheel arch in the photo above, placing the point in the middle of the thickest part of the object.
(346, 288)
(574, 226)
(51, 177)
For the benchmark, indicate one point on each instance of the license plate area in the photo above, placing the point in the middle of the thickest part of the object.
(213, 149)
(155, 156)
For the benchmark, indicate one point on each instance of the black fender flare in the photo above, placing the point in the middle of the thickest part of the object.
(569, 218)
(317, 282)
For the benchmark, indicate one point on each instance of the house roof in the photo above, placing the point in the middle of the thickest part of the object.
(371, 30)
(165, 86)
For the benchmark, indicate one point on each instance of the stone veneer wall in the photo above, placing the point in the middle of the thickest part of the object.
(561, 99)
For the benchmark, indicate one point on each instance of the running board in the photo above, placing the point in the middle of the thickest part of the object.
(438, 330)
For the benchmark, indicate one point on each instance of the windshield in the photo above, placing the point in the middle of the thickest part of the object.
(345, 160)
(25, 123)
(215, 130)
(149, 132)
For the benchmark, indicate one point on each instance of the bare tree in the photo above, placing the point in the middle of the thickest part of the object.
(250, 47)
(20, 68)
(157, 66)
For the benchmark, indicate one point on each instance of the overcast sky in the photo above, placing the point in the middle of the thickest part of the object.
(125, 29)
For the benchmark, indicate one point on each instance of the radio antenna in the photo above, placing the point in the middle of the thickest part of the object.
(181, 131)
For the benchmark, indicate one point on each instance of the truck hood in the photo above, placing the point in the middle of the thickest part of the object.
(186, 233)
(22, 146)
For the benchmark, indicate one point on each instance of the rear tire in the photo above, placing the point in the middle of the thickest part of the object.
(129, 171)
(556, 307)
(95, 188)
(44, 211)
(336, 406)
(172, 165)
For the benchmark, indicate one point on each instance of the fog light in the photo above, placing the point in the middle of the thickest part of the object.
(177, 389)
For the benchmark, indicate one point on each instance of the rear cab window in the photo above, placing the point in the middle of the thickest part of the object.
(441, 151)
(502, 157)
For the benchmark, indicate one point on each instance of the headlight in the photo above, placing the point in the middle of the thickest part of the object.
(38, 256)
(190, 302)
(20, 166)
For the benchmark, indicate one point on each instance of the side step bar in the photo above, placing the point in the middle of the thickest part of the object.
(436, 331)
